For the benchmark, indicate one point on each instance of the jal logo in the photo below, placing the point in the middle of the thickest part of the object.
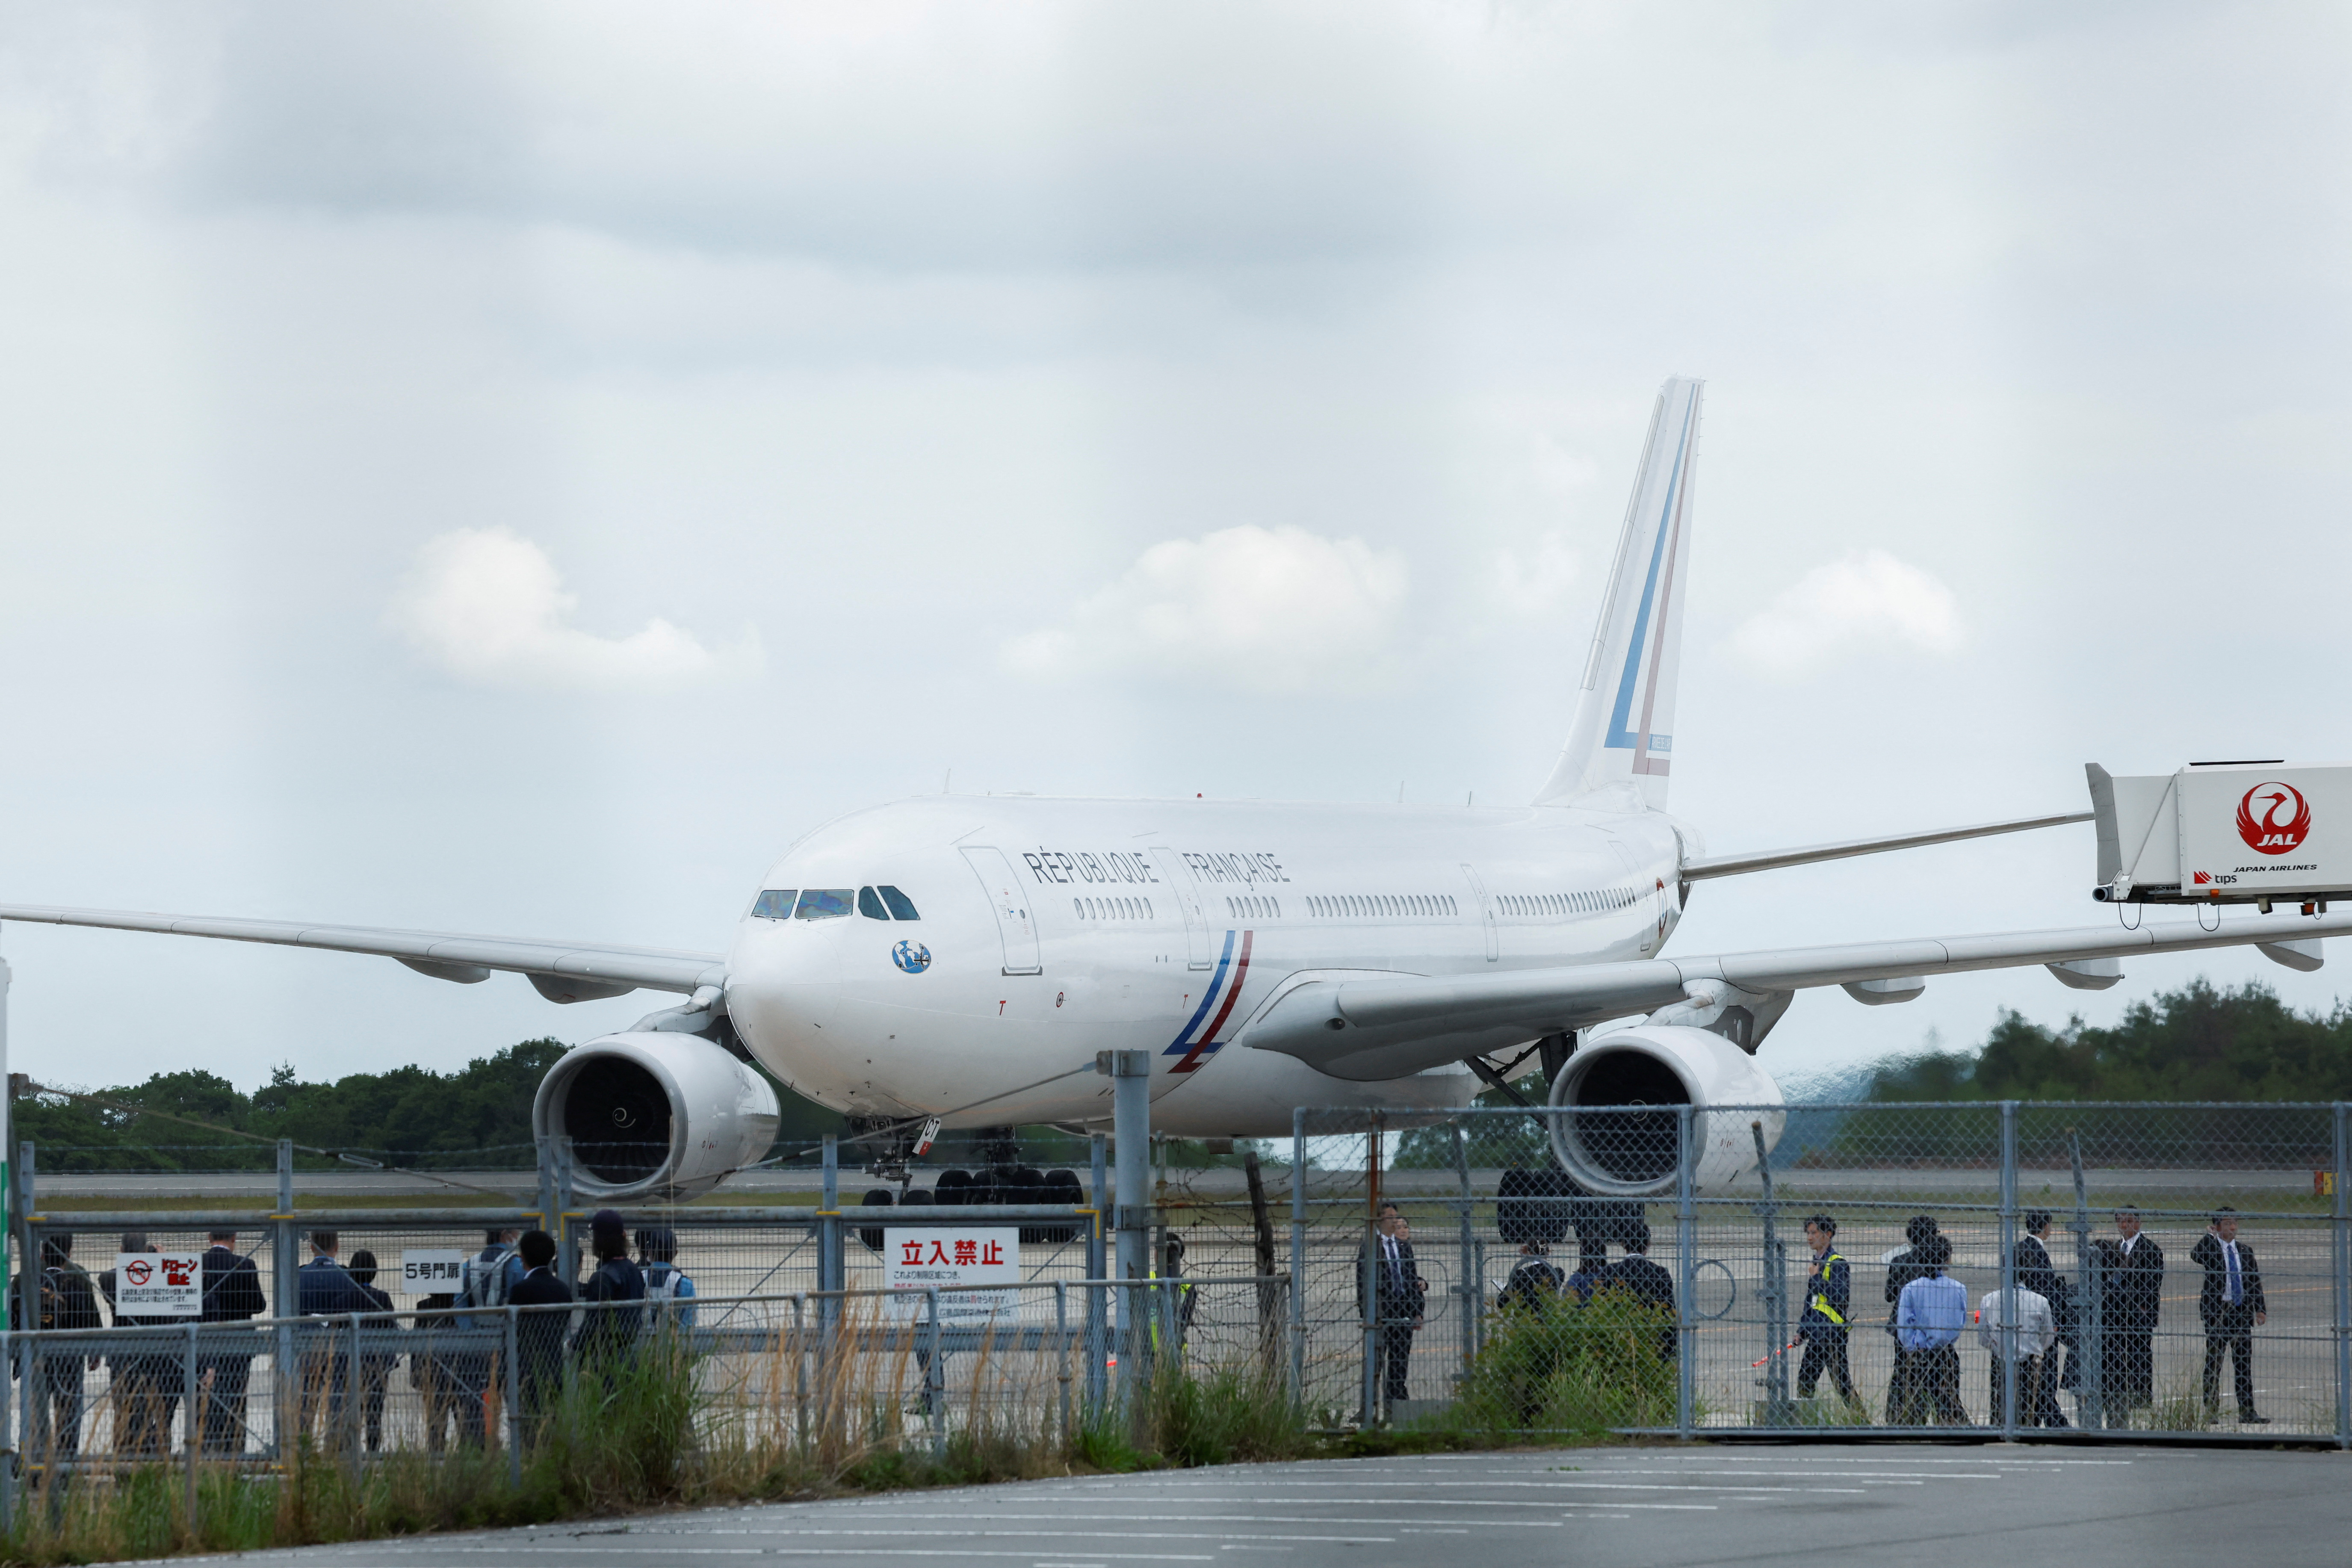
(911, 956)
(2274, 818)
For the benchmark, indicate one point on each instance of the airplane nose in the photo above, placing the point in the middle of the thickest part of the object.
(784, 984)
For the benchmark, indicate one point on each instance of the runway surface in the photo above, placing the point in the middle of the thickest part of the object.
(1814, 1505)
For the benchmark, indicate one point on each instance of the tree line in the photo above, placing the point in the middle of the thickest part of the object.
(477, 1117)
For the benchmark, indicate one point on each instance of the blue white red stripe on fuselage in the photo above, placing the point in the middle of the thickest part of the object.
(1193, 1042)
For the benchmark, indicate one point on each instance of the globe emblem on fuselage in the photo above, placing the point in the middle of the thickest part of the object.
(911, 956)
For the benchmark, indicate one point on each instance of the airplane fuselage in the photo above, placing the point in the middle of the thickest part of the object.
(1049, 929)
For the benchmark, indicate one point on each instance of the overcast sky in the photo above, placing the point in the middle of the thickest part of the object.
(512, 468)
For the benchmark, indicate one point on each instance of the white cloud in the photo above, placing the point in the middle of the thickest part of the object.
(1869, 600)
(1265, 610)
(487, 606)
(1535, 583)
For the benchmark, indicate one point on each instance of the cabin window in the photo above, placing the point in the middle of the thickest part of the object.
(775, 904)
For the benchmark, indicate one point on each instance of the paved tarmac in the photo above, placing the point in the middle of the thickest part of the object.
(1814, 1505)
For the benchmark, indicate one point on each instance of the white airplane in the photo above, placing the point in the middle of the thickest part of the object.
(965, 959)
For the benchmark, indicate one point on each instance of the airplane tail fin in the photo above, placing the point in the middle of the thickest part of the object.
(1623, 741)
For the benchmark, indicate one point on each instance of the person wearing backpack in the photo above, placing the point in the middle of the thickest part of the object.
(64, 1298)
(668, 1291)
(466, 1376)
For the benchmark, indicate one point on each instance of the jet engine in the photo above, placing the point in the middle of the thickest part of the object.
(654, 1113)
(1653, 1069)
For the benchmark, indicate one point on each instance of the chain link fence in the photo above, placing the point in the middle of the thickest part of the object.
(2146, 1269)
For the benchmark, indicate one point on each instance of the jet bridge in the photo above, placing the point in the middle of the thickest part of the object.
(2253, 832)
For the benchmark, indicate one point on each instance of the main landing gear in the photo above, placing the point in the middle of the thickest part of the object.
(999, 1178)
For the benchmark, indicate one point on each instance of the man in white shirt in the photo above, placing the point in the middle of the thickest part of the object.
(2037, 1331)
(1928, 1317)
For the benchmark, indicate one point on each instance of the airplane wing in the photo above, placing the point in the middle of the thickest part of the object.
(1386, 1027)
(1708, 865)
(560, 970)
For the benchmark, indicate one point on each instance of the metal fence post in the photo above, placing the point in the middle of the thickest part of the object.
(1299, 1252)
(567, 1249)
(1686, 1268)
(799, 1372)
(544, 1155)
(286, 1281)
(1131, 1076)
(513, 1337)
(1472, 1289)
(2342, 1230)
(188, 1444)
(935, 1380)
(354, 1412)
(2007, 1299)
(1062, 1350)
(2090, 1400)
(831, 1264)
(1775, 1291)
(1098, 1309)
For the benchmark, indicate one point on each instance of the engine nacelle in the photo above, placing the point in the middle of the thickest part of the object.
(1634, 1153)
(654, 1113)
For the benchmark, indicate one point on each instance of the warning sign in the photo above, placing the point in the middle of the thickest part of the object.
(159, 1284)
(976, 1272)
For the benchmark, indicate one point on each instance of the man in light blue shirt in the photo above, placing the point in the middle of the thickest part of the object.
(1928, 1318)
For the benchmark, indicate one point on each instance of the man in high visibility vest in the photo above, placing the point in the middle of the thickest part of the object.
(1829, 1292)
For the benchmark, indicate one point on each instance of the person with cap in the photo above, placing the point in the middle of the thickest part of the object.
(232, 1294)
(1829, 1296)
(611, 1333)
(669, 1294)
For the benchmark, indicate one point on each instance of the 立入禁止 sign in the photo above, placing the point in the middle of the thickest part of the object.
(977, 1271)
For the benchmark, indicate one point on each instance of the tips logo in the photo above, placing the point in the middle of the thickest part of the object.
(2274, 818)
(911, 956)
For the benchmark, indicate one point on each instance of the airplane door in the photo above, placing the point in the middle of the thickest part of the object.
(1015, 922)
(1188, 899)
(1485, 911)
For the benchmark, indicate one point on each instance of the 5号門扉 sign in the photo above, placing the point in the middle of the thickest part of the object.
(976, 1270)
(159, 1284)
(2265, 831)
(432, 1272)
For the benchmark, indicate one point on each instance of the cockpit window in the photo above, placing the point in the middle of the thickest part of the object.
(901, 906)
(869, 905)
(826, 903)
(775, 904)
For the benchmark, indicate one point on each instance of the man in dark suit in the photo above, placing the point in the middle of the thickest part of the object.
(233, 1294)
(2231, 1303)
(62, 1296)
(322, 1288)
(2131, 1286)
(2038, 1272)
(146, 1382)
(1644, 1281)
(1398, 1297)
(1901, 1270)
